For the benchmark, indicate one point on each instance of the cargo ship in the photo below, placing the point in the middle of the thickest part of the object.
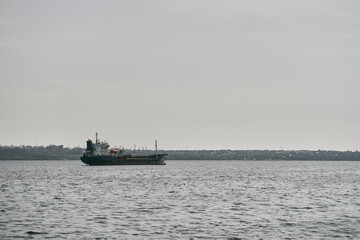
(98, 153)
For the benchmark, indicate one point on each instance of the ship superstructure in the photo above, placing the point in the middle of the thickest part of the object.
(98, 148)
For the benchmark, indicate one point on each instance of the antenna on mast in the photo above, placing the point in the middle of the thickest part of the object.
(155, 146)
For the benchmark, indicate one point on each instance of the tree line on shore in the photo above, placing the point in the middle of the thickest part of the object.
(50, 152)
(59, 152)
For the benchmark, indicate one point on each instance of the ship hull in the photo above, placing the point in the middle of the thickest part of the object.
(156, 159)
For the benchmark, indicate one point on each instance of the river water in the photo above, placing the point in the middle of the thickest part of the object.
(182, 200)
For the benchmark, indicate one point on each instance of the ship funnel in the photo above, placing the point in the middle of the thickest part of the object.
(89, 145)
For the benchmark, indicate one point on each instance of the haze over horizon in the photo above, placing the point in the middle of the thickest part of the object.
(192, 74)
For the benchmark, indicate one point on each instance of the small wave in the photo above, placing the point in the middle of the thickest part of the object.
(34, 232)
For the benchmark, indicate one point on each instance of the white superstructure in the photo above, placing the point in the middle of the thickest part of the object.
(101, 148)
(98, 148)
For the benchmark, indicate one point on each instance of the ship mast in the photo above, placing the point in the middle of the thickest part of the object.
(96, 138)
(155, 147)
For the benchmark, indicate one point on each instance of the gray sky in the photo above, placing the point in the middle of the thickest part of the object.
(199, 74)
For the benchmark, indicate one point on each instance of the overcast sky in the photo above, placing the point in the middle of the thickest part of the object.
(205, 74)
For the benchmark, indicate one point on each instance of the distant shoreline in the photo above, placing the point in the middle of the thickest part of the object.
(253, 160)
(53, 152)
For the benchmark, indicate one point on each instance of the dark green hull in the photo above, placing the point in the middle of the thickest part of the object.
(156, 159)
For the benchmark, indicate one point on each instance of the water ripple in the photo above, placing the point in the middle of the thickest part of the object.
(182, 200)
